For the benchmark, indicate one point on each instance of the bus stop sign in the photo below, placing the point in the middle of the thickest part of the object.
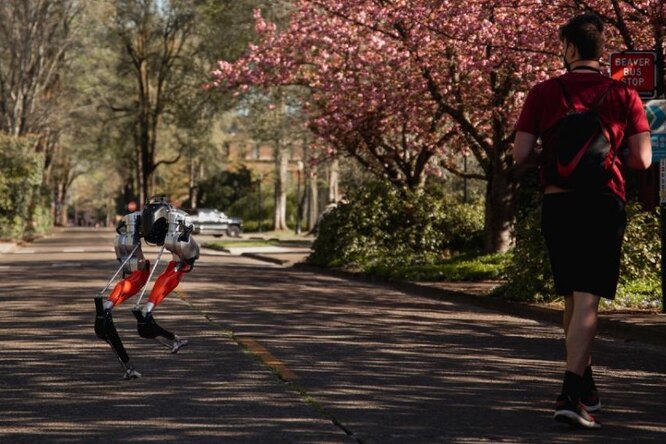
(637, 69)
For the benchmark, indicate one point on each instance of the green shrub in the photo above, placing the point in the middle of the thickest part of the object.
(252, 226)
(224, 188)
(23, 212)
(529, 277)
(528, 272)
(640, 272)
(380, 224)
(641, 250)
(251, 210)
(42, 217)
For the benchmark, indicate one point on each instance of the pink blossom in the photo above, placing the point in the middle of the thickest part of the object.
(399, 76)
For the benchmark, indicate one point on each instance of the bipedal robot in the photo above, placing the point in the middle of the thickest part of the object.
(161, 224)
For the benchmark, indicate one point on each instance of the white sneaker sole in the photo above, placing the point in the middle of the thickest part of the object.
(593, 408)
(572, 418)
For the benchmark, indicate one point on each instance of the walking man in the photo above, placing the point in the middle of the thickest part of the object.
(592, 128)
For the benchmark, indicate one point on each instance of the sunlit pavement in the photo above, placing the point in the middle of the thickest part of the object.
(281, 355)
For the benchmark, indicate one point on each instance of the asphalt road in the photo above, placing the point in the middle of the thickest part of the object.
(280, 355)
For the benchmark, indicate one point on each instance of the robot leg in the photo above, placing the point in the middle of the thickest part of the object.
(106, 330)
(128, 287)
(146, 325)
(104, 327)
(150, 329)
(164, 285)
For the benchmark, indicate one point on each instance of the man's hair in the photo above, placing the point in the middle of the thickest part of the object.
(586, 33)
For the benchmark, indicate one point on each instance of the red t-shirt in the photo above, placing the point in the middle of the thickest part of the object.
(621, 111)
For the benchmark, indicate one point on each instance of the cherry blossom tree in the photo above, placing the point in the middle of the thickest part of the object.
(407, 86)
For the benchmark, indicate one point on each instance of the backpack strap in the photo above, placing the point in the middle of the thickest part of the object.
(569, 102)
(567, 95)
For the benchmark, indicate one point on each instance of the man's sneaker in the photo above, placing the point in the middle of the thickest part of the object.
(591, 401)
(178, 343)
(130, 373)
(574, 413)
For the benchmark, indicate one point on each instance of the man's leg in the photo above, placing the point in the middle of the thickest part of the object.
(581, 330)
(566, 318)
(590, 395)
(580, 326)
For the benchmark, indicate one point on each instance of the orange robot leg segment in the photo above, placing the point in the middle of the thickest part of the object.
(166, 283)
(129, 286)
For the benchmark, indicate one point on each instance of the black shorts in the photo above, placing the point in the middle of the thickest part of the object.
(583, 234)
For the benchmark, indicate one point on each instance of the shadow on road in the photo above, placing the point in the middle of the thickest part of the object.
(390, 367)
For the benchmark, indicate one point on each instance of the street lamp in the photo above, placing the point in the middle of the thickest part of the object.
(299, 209)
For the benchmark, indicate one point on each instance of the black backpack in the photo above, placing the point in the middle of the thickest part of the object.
(577, 150)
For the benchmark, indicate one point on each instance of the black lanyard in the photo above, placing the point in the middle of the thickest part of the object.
(586, 68)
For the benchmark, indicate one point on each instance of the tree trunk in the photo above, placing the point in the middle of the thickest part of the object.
(110, 213)
(333, 182)
(313, 200)
(193, 194)
(63, 215)
(281, 170)
(139, 175)
(145, 169)
(499, 211)
(60, 213)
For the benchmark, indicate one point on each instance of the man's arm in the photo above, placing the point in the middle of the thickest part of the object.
(523, 147)
(639, 156)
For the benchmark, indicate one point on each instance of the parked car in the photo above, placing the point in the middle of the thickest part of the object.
(215, 222)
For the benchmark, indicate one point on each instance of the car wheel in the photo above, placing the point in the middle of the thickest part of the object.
(233, 231)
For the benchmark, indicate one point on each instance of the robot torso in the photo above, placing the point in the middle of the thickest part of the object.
(129, 238)
(179, 240)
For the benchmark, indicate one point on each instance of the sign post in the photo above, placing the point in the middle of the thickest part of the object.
(656, 114)
(637, 69)
(644, 71)
(662, 210)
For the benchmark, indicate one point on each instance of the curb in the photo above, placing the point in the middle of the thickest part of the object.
(264, 258)
(653, 335)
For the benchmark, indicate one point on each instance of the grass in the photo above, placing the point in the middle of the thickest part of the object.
(280, 235)
(250, 241)
(462, 267)
(220, 245)
(638, 295)
(472, 266)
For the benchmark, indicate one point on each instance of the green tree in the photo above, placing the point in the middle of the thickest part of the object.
(20, 176)
(37, 39)
(154, 39)
(225, 188)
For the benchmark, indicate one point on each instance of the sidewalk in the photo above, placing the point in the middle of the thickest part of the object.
(644, 326)
(7, 247)
(292, 249)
